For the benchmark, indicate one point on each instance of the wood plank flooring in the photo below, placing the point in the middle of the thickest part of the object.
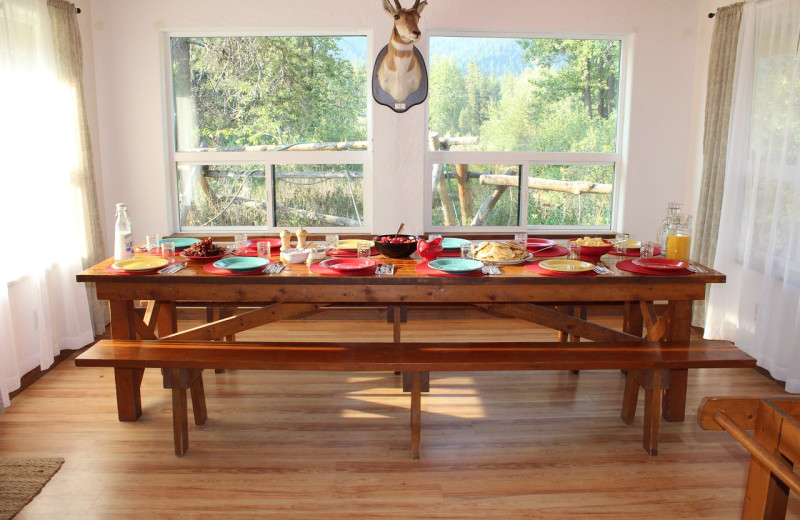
(312, 445)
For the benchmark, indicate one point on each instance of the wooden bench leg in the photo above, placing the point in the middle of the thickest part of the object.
(652, 381)
(180, 417)
(652, 413)
(630, 396)
(425, 381)
(199, 399)
(128, 382)
(416, 409)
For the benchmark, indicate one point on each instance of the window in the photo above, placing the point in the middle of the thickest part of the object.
(269, 131)
(523, 132)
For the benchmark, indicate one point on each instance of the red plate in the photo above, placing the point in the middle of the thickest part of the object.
(537, 243)
(201, 259)
(347, 264)
(666, 264)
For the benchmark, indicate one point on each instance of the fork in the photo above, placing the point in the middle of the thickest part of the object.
(173, 268)
(273, 268)
(601, 269)
(696, 268)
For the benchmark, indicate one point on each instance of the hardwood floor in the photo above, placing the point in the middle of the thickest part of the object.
(336, 445)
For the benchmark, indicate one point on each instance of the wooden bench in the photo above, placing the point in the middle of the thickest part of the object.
(183, 363)
(774, 449)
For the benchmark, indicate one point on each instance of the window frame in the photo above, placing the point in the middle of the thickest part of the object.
(265, 159)
(526, 159)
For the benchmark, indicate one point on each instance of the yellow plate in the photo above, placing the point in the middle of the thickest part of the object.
(144, 263)
(634, 244)
(562, 265)
(352, 243)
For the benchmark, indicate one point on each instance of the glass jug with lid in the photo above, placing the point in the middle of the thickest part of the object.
(673, 210)
(678, 238)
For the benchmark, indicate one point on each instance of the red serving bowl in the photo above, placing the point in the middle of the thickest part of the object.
(593, 253)
(201, 259)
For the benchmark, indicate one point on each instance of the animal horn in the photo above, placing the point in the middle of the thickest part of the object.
(397, 3)
(416, 4)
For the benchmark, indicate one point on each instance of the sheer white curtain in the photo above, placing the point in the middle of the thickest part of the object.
(759, 235)
(42, 309)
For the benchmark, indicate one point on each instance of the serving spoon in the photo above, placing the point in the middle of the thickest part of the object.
(402, 225)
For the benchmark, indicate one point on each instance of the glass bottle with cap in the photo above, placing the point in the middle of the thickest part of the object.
(123, 234)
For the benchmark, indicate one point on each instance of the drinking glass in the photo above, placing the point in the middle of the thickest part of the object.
(151, 242)
(647, 249)
(573, 251)
(168, 251)
(240, 242)
(363, 249)
(521, 239)
(331, 242)
(621, 243)
(264, 249)
(468, 251)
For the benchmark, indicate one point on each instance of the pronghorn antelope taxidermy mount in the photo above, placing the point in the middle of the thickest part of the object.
(400, 69)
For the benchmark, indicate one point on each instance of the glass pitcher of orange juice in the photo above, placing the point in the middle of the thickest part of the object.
(679, 238)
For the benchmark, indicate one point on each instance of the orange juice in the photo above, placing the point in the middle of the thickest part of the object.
(678, 247)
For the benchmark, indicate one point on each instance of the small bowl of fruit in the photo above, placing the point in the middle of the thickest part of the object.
(396, 246)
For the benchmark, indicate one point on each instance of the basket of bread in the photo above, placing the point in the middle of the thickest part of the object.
(496, 252)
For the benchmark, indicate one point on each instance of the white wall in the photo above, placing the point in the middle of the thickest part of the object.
(665, 91)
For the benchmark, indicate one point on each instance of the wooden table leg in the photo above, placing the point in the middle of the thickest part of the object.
(679, 329)
(128, 382)
(167, 319)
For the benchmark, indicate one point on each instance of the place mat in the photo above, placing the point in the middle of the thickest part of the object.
(628, 265)
(23, 479)
(549, 253)
(209, 268)
(318, 269)
(113, 270)
(535, 268)
(348, 253)
(427, 270)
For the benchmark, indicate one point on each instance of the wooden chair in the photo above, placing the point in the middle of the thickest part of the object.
(774, 448)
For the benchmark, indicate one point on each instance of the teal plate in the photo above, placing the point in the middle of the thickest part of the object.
(241, 263)
(453, 244)
(455, 265)
(180, 243)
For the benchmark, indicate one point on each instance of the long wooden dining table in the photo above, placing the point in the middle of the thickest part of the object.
(656, 307)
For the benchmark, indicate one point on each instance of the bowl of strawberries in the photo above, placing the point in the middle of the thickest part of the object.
(396, 246)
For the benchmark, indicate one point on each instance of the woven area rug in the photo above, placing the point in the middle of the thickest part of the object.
(21, 479)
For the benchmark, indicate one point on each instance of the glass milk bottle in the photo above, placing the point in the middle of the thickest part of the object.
(123, 235)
